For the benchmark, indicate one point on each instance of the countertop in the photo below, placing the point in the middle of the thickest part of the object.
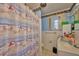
(66, 47)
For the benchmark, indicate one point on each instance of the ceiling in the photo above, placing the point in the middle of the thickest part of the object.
(51, 7)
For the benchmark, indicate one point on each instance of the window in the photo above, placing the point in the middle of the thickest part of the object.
(70, 18)
(50, 24)
(55, 23)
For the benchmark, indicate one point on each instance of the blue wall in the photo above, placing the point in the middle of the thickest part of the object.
(45, 24)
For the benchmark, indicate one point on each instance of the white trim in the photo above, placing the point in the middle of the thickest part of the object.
(40, 38)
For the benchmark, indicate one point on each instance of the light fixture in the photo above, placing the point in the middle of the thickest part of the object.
(43, 4)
